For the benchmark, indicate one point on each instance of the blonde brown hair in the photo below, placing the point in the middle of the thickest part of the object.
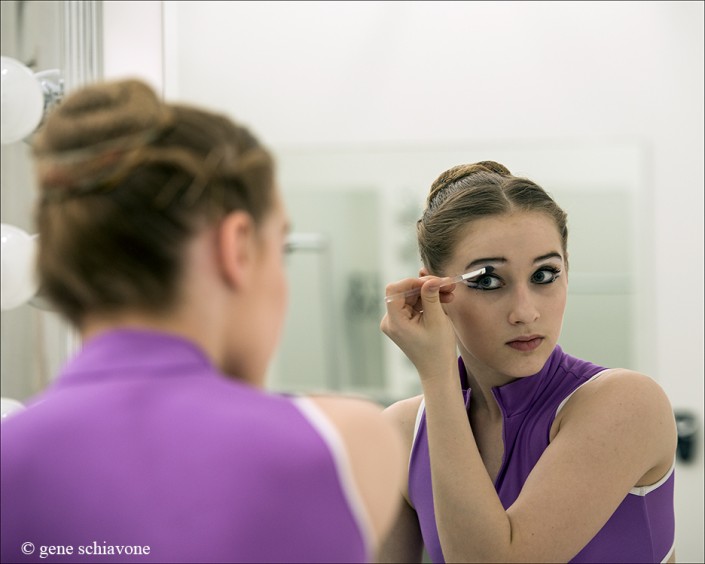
(470, 191)
(125, 180)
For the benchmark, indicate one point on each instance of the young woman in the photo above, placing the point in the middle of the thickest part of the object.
(162, 236)
(518, 451)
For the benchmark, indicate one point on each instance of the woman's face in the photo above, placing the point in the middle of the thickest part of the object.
(508, 322)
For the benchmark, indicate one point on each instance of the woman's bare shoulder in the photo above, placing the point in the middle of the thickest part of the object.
(403, 415)
(354, 414)
(361, 423)
(633, 391)
(357, 411)
(630, 407)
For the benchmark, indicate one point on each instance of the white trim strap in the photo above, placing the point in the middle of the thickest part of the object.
(645, 490)
(565, 400)
(331, 436)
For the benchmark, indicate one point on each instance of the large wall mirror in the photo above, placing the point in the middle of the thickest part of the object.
(358, 209)
(354, 205)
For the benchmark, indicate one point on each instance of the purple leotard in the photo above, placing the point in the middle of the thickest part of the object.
(642, 529)
(141, 442)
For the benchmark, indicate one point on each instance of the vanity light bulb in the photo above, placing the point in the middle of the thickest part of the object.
(18, 254)
(9, 405)
(22, 101)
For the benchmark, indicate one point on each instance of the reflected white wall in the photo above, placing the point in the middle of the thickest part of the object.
(331, 339)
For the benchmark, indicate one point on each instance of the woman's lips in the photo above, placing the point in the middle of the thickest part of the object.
(526, 344)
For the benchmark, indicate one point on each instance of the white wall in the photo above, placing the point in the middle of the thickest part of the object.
(132, 41)
(337, 74)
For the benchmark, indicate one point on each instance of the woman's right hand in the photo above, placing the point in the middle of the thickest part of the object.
(418, 324)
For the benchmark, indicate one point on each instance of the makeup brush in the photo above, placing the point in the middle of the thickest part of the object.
(455, 280)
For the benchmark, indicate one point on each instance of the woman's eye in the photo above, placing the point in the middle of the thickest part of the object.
(545, 276)
(486, 282)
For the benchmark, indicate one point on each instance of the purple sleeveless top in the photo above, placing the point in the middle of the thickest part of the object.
(141, 451)
(642, 529)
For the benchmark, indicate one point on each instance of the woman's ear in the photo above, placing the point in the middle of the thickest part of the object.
(423, 271)
(236, 248)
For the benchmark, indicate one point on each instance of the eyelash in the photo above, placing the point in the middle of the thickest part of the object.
(475, 283)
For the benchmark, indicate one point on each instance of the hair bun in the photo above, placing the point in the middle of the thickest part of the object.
(461, 171)
(495, 167)
(100, 114)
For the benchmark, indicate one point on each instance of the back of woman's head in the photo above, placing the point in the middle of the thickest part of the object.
(125, 181)
(472, 191)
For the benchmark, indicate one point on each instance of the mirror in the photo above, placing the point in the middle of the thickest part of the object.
(354, 200)
(364, 204)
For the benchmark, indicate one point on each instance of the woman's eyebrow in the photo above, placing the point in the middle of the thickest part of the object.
(502, 260)
(554, 254)
(484, 261)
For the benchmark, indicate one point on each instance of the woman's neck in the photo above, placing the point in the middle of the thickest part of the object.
(172, 323)
(481, 380)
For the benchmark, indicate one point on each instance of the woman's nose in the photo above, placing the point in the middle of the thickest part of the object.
(523, 309)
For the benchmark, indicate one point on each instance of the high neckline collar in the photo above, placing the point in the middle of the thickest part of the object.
(121, 349)
(518, 395)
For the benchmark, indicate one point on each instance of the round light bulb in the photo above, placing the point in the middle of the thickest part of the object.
(9, 405)
(22, 101)
(18, 253)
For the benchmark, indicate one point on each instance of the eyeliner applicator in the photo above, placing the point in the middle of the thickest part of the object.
(455, 280)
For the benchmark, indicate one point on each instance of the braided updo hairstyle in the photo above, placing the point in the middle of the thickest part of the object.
(471, 191)
(125, 181)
